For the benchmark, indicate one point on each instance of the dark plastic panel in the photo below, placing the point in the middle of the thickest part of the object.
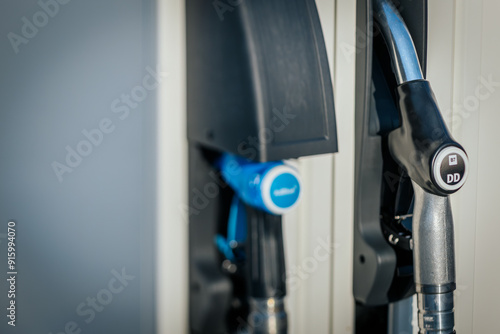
(258, 80)
(210, 290)
(375, 261)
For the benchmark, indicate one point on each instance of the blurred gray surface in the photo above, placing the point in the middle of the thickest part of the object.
(71, 235)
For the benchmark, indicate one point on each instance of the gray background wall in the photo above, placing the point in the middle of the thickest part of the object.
(72, 234)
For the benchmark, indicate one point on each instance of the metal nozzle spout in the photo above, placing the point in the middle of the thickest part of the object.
(434, 262)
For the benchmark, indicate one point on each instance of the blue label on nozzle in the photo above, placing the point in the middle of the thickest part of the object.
(285, 190)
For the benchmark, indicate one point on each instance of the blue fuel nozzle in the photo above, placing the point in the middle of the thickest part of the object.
(273, 187)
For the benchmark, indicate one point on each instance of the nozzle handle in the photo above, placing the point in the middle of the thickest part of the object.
(423, 146)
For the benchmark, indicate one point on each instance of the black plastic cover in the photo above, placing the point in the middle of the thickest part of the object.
(258, 79)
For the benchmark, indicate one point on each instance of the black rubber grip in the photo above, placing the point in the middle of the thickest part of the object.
(265, 262)
(423, 146)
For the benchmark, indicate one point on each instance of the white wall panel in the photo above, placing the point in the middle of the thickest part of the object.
(343, 195)
(475, 50)
(172, 258)
(487, 269)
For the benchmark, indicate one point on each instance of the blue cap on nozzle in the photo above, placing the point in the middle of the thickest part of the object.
(270, 186)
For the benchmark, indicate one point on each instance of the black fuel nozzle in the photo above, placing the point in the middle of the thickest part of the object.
(423, 146)
(437, 166)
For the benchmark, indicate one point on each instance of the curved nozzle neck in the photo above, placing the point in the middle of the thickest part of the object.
(404, 57)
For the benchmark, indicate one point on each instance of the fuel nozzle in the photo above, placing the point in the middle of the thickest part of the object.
(273, 187)
(437, 165)
(262, 193)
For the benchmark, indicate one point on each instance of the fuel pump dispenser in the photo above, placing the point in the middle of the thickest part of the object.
(259, 94)
(407, 165)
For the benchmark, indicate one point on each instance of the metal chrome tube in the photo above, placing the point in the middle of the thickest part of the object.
(404, 57)
(434, 262)
(267, 316)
